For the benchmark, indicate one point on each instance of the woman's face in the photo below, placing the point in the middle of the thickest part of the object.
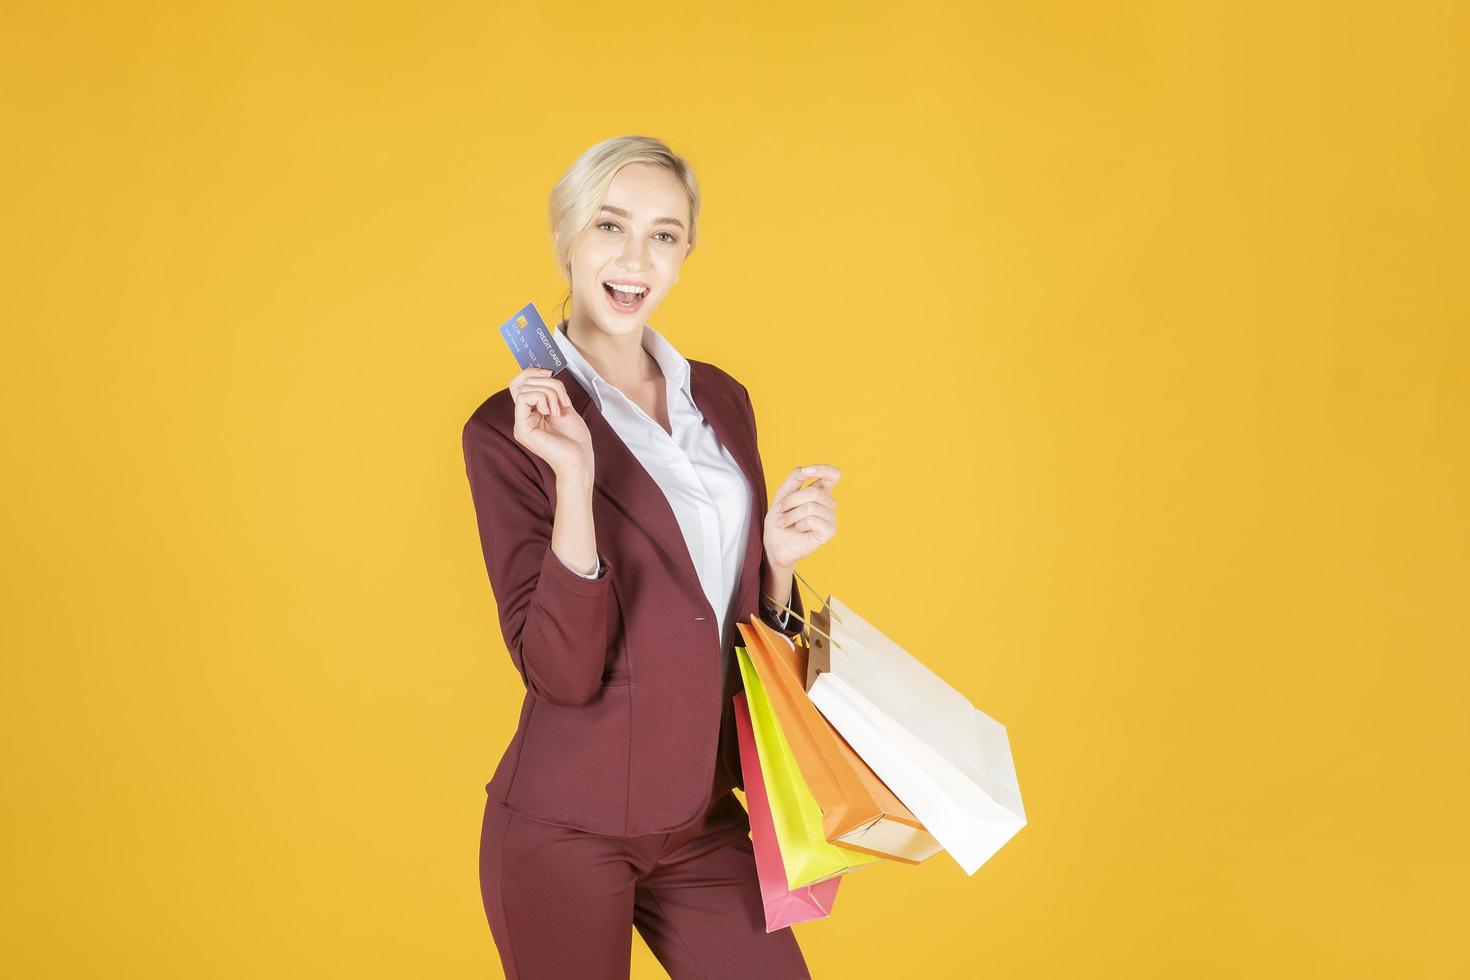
(638, 239)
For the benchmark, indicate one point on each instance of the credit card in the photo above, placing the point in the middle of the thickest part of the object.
(530, 341)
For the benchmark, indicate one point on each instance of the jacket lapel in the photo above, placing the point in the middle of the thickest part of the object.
(620, 475)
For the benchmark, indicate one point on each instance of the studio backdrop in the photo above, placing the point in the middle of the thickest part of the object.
(1138, 330)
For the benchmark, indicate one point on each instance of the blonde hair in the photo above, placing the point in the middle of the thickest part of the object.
(579, 193)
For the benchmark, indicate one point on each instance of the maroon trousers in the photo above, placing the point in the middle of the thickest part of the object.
(563, 903)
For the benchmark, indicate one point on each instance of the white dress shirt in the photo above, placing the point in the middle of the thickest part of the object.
(704, 484)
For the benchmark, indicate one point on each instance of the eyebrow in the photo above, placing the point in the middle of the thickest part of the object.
(628, 214)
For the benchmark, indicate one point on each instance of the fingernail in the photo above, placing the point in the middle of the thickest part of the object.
(808, 470)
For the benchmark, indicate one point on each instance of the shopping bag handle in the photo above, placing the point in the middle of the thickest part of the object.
(806, 622)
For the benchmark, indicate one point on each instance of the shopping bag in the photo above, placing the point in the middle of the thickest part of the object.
(805, 853)
(858, 811)
(783, 906)
(949, 762)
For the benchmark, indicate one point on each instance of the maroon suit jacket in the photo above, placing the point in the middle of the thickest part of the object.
(627, 726)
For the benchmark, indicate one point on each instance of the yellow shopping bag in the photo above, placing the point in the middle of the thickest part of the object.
(805, 852)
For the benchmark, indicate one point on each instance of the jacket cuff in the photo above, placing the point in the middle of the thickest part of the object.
(793, 625)
(601, 568)
(560, 575)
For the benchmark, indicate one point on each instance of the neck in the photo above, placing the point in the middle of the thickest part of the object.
(620, 359)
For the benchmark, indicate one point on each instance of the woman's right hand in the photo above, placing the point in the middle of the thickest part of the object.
(547, 425)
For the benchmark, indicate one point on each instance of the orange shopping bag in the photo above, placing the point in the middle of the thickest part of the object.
(859, 811)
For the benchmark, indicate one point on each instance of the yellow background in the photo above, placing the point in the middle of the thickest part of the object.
(1139, 332)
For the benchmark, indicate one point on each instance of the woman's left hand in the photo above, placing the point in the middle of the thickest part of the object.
(801, 518)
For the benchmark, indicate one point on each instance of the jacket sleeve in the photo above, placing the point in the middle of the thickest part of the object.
(554, 620)
(793, 625)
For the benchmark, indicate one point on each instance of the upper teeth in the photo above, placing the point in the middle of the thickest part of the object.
(627, 289)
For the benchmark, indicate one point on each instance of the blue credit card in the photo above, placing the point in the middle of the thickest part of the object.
(530, 341)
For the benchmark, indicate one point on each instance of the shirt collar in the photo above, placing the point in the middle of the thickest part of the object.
(675, 366)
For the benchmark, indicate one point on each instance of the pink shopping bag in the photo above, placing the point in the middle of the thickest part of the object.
(783, 905)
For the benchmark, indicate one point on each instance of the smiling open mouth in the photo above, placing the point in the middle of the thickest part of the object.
(623, 297)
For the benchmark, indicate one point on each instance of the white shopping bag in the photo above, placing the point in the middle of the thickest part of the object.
(949, 762)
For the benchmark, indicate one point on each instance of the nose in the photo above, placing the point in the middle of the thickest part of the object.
(635, 250)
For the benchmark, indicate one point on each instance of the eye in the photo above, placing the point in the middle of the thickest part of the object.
(673, 239)
(600, 224)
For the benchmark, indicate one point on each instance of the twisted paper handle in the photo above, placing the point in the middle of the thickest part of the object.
(806, 622)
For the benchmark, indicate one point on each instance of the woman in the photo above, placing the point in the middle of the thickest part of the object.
(622, 513)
